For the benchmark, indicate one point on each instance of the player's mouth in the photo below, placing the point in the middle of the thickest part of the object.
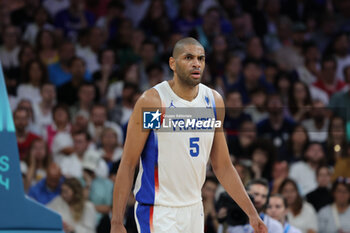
(196, 74)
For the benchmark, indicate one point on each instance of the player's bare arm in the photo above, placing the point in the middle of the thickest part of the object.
(135, 140)
(227, 174)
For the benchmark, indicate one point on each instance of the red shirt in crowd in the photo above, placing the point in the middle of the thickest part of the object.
(330, 91)
(23, 147)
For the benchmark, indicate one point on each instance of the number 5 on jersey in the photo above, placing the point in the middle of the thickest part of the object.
(194, 146)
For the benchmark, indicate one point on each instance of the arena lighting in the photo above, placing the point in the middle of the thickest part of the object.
(18, 213)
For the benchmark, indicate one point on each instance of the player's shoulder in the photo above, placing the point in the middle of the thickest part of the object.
(149, 98)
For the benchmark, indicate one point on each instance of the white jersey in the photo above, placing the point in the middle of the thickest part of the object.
(173, 164)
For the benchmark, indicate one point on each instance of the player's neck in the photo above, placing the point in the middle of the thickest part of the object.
(184, 91)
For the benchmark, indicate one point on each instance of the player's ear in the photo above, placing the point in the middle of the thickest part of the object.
(172, 63)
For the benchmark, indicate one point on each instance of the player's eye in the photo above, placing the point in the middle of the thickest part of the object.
(188, 57)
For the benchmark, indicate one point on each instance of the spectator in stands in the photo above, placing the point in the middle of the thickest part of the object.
(336, 141)
(95, 41)
(277, 209)
(32, 126)
(328, 81)
(257, 109)
(109, 22)
(283, 84)
(98, 190)
(68, 92)
(24, 137)
(340, 49)
(24, 14)
(304, 172)
(136, 10)
(299, 101)
(129, 74)
(98, 121)
(208, 195)
(47, 188)
(279, 172)
(230, 76)
(86, 98)
(78, 215)
(148, 57)
(59, 72)
(46, 45)
(235, 114)
(217, 58)
(239, 146)
(296, 145)
(321, 196)
(289, 55)
(276, 127)
(71, 164)
(187, 18)
(43, 110)
(251, 79)
(41, 22)
(340, 102)
(37, 161)
(10, 47)
(258, 189)
(55, 6)
(73, 19)
(341, 167)
(301, 214)
(155, 74)
(156, 22)
(255, 50)
(263, 156)
(107, 74)
(309, 72)
(317, 126)
(61, 123)
(110, 151)
(335, 217)
(34, 77)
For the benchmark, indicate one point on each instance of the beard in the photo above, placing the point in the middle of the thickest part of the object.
(187, 80)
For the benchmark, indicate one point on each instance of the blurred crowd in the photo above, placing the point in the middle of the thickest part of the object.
(75, 68)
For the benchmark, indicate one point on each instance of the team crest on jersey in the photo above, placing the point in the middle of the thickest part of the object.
(151, 120)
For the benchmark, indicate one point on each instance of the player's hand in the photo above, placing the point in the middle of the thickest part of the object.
(257, 224)
(118, 228)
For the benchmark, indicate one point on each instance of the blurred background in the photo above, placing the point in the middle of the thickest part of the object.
(75, 68)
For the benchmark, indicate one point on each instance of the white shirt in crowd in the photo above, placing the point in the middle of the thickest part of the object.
(55, 6)
(29, 92)
(315, 134)
(304, 176)
(307, 218)
(9, 58)
(88, 219)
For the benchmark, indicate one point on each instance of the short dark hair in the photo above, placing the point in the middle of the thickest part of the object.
(75, 58)
(281, 197)
(251, 61)
(83, 132)
(260, 181)
(212, 179)
(154, 66)
(328, 58)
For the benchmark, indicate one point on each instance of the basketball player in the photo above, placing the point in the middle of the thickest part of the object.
(173, 165)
